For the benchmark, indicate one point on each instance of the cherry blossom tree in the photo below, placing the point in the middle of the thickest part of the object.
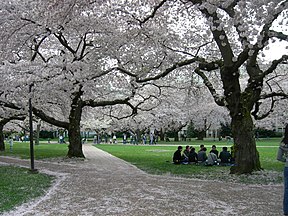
(81, 46)
(68, 61)
(224, 41)
(65, 57)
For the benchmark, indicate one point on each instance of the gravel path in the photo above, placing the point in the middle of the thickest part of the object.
(105, 185)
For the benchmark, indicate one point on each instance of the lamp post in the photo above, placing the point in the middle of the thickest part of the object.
(32, 170)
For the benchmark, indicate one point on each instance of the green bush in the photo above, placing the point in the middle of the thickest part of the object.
(265, 133)
(46, 134)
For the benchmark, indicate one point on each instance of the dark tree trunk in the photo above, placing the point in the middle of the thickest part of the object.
(37, 133)
(240, 105)
(2, 144)
(74, 135)
(246, 154)
(175, 135)
(138, 135)
(75, 145)
(201, 135)
(161, 135)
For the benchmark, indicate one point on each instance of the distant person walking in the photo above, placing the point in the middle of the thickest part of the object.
(151, 138)
(11, 144)
(114, 139)
(283, 156)
(60, 139)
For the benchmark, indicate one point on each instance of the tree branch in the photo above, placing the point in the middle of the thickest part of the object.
(37, 46)
(51, 120)
(274, 94)
(187, 53)
(92, 103)
(274, 64)
(9, 105)
(133, 113)
(279, 35)
(219, 100)
(152, 13)
(64, 43)
(257, 107)
(20, 117)
(170, 69)
(124, 71)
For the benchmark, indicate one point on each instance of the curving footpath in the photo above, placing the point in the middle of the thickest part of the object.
(105, 185)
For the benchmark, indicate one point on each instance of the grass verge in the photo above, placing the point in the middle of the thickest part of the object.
(19, 186)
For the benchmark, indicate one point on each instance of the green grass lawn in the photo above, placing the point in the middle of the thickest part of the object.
(17, 186)
(156, 159)
(42, 151)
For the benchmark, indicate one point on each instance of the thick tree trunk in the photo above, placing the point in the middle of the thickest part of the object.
(2, 144)
(75, 144)
(246, 154)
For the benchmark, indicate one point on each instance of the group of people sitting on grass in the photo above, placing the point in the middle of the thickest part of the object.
(190, 156)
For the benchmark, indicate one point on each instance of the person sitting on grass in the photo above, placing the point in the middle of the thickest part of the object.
(193, 157)
(225, 157)
(201, 147)
(177, 157)
(186, 154)
(202, 157)
(211, 159)
(214, 150)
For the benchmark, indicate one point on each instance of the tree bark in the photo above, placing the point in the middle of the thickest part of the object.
(246, 154)
(74, 135)
(138, 134)
(2, 144)
(161, 135)
(37, 133)
(75, 145)
(176, 136)
(201, 135)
